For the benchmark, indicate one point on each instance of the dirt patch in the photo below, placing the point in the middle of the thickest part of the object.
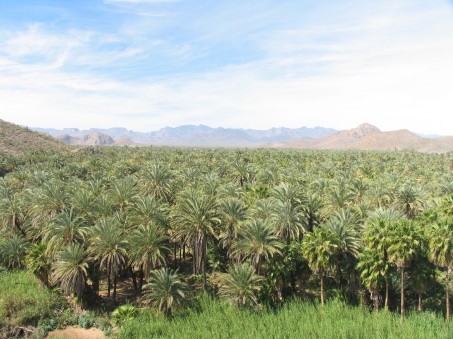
(77, 333)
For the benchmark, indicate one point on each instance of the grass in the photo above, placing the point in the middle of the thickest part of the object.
(23, 302)
(295, 320)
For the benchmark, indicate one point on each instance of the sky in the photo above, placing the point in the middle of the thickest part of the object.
(148, 64)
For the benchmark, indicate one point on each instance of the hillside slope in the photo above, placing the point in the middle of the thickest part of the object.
(16, 140)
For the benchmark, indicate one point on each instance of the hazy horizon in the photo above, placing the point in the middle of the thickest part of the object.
(148, 64)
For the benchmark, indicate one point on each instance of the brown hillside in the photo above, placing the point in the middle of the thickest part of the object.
(16, 140)
(368, 137)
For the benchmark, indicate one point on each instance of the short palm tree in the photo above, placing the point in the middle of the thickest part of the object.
(39, 263)
(12, 251)
(165, 291)
(70, 269)
(240, 285)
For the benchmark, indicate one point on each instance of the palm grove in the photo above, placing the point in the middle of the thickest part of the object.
(251, 226)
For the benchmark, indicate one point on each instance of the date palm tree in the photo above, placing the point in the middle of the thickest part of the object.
(256, 241)
(441, 252)
(108, 246)
(13, 251)
(155, 180)
(195, 216)
(165, 291)
(233, 212)
(70, 269)
(147, 248)
(405, 241)
(240, 285)
(320, 249)
(65, 228)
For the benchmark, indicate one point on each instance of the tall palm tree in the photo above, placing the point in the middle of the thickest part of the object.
(405, 241)
(233, 212)
(256, 241)
(195, 217)
(147, 248)
(320, 249)
(441, 252)
(108, 246)
(70, 269)
(240, 285)
(165, 291)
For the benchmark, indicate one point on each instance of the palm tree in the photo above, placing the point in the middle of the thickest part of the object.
(372, 271)
(240, 285)
(441, 252)
(39, 263)
(320, 248)
(13, 251)
(233, 212)
(108, 246)
(70, 269)
(165, 291)
(12, 213)
(377, 238)
(409, 199)
(66, 228)
(123, 192)
(256, 241)
(311, 209)
(147, 248)
(404, 244)
(195, 216)
(155, 181)
(286, 219)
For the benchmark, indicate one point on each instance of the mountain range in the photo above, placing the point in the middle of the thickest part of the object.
(186, 135)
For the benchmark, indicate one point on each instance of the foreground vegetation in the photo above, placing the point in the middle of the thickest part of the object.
(214, 319)
(250, 227)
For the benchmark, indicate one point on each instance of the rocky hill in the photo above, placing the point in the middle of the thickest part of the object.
(16, 140)
(369, 137)
(95, 138)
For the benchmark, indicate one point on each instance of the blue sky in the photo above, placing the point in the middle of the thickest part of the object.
(147, 64)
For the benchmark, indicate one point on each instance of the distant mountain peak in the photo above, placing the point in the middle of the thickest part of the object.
(362, 130)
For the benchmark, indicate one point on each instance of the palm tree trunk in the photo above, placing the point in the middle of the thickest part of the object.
(322, 289)
(420, 305)
(108, 281)
(204, 249)
(402, 292)
(134, 278)
(114, 287)
(447, 296)
(142, 276)
(386, 294)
